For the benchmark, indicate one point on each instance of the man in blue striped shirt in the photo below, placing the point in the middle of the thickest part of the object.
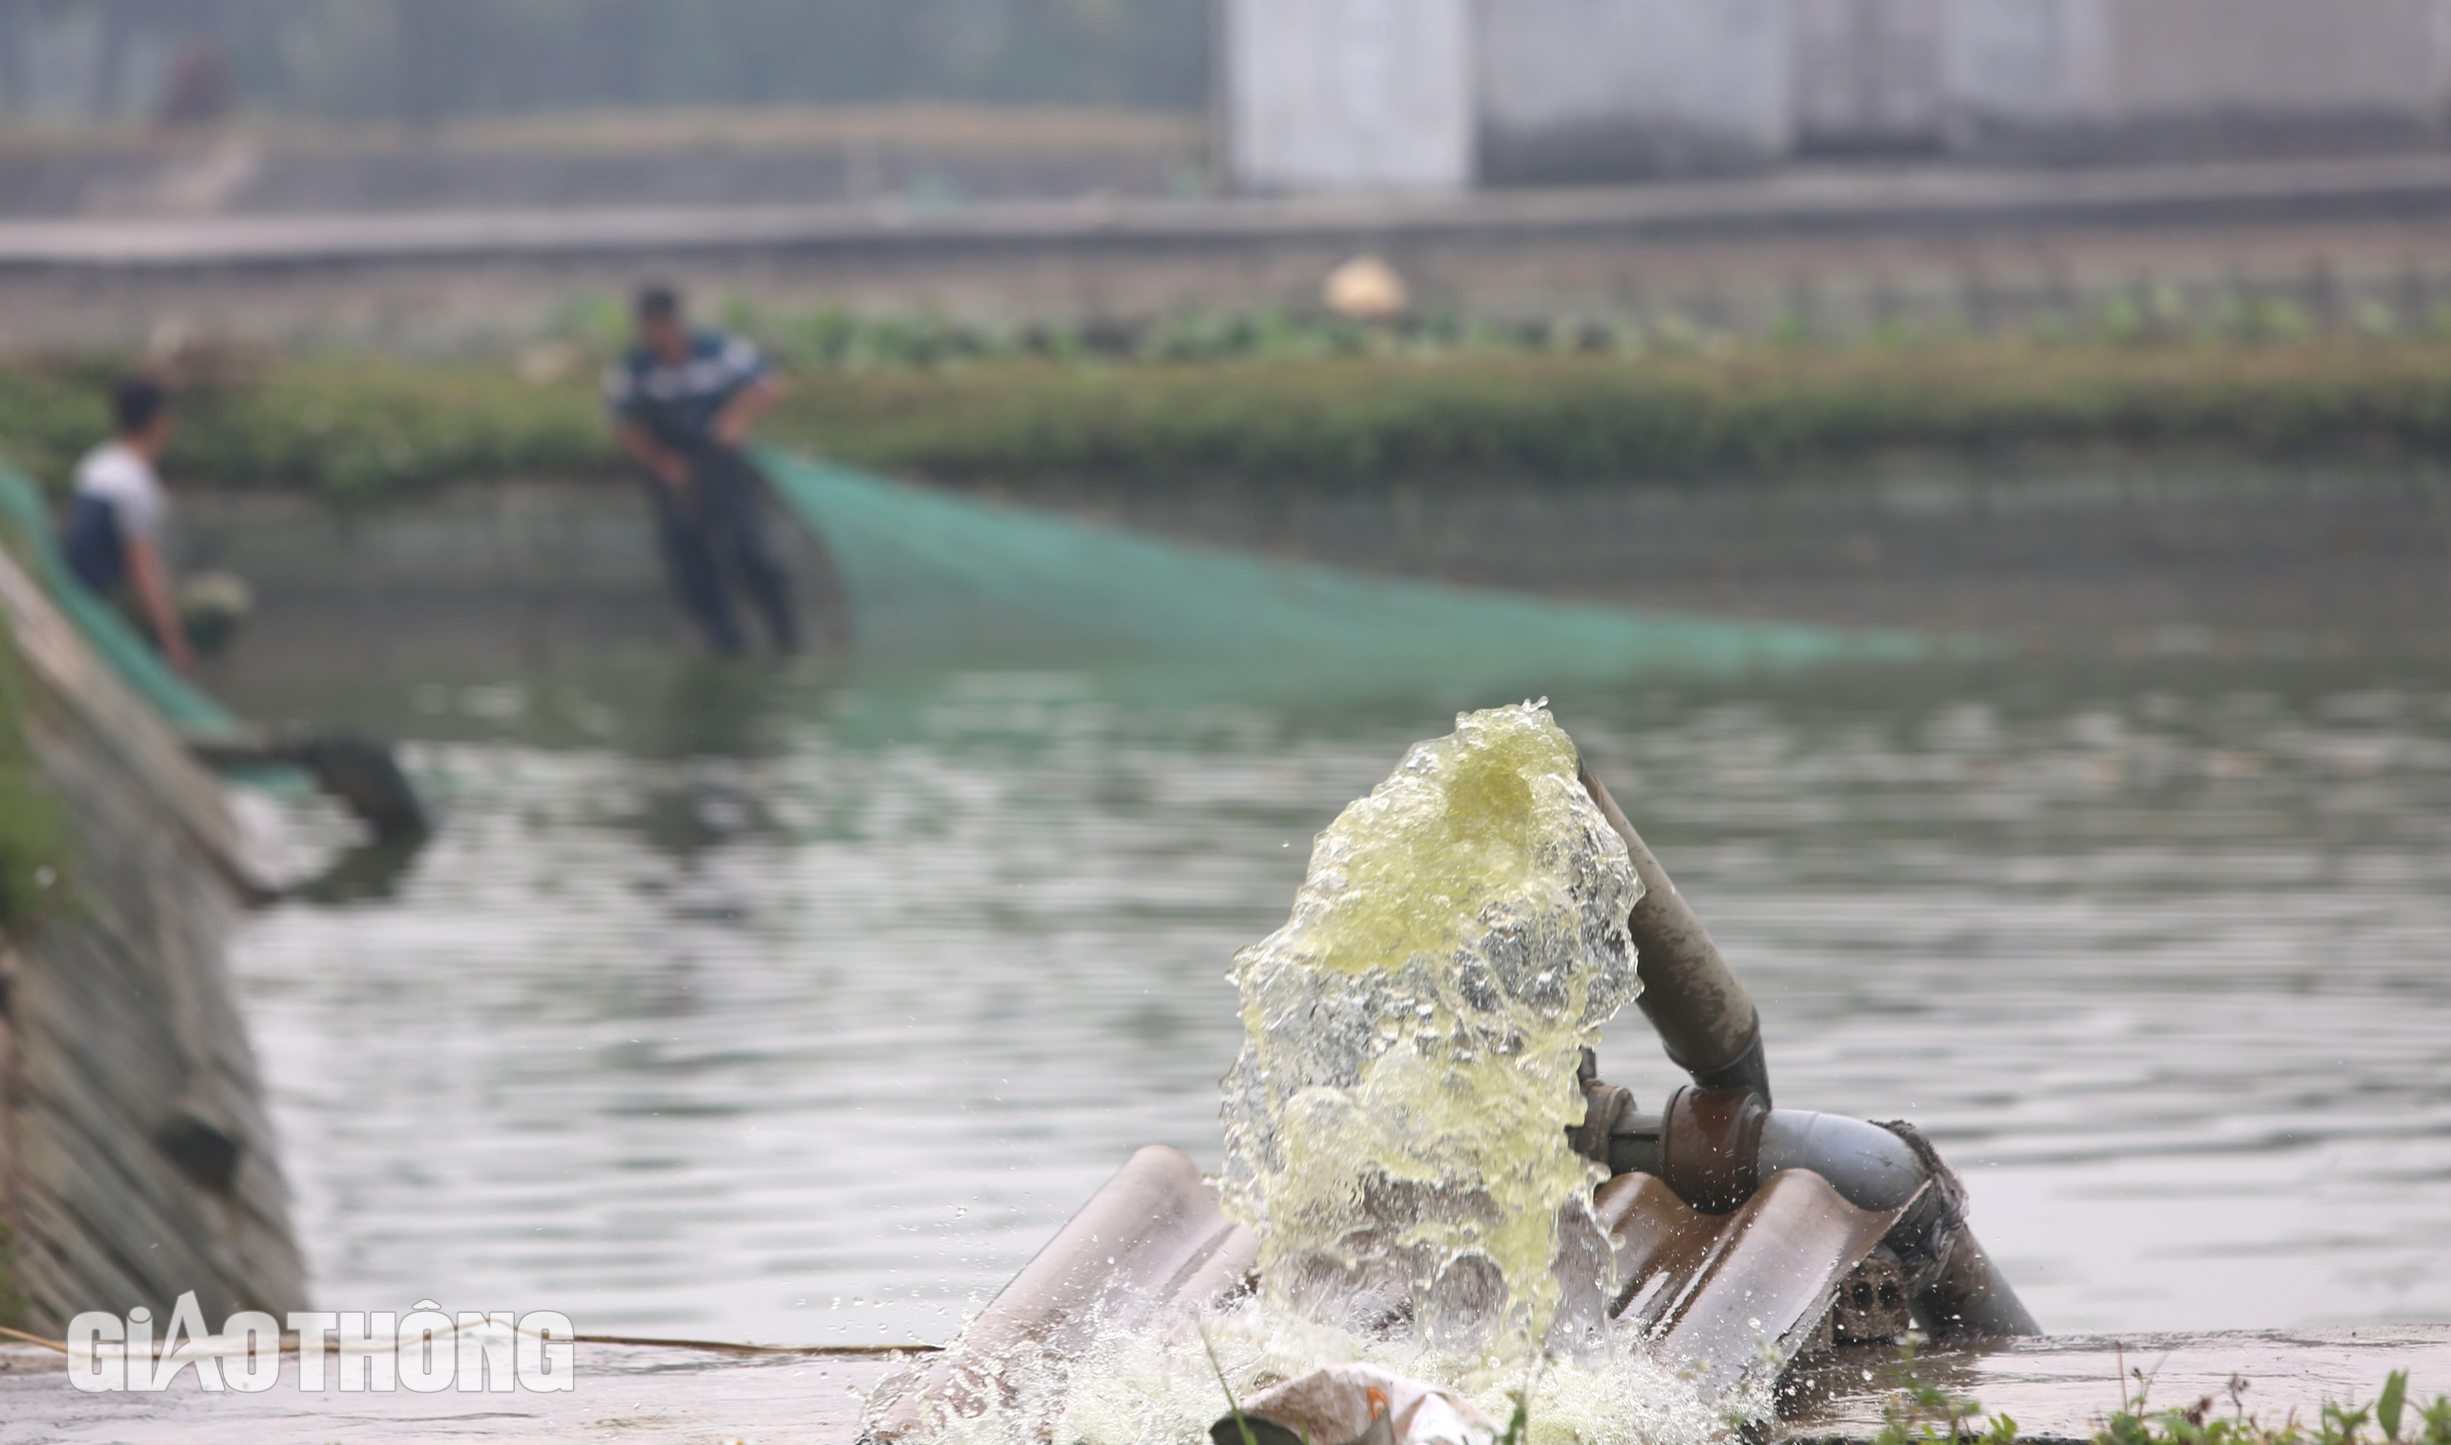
(684, 401)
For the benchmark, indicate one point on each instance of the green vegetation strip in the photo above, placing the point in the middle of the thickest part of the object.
(1922, 1413)
(363, 427)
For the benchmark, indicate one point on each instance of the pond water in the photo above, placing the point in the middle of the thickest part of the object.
(790, 1007)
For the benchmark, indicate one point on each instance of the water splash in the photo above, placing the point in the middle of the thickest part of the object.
(1396, 1123)
(1159, 1388)
(1396, 1133)
(1165, 1385)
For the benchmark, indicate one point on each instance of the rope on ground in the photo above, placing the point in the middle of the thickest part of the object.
(58, 1345)
(820, 1351)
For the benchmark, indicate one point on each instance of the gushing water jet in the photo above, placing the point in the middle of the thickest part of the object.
(1424, 1167)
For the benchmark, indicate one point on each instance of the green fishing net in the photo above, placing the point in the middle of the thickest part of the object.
(934, 579)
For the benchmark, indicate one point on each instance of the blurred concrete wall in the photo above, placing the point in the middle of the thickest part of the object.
(1868, 74)
(1377, 95)
(2085, 79)
(1575, 90)
(1349, 95)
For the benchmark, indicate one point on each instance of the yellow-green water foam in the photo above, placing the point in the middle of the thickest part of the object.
(1396, 1129)
(1396, 1123)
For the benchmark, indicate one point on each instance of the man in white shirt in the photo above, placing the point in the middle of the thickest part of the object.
(114, 537)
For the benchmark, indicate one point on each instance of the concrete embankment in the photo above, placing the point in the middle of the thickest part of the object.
(136, 1159)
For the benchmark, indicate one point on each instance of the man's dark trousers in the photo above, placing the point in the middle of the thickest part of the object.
(717, 530)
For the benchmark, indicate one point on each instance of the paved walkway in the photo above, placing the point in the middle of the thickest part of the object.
(1900, 201)
(634, 1396)
(1836, 248)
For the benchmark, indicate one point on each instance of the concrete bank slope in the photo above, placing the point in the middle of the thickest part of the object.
(2057, 1389)
(136, 1159)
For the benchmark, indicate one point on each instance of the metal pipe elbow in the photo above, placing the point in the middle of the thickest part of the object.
(1715, 1151)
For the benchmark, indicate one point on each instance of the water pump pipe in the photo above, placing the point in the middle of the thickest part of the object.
(1704, 1017)
(1714, 1147)
(1717, 1141)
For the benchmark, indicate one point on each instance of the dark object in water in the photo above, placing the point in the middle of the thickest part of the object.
(367, 779)
(370, 871)
(362, 775)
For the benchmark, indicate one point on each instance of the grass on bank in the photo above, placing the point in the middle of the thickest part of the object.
(360, 427)
(1922, 1413)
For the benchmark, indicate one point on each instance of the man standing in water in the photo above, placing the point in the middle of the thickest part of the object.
(113, 541)
(684, 401)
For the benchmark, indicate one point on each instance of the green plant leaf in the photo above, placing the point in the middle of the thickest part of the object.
(1241, 1425)
(2387, 1409)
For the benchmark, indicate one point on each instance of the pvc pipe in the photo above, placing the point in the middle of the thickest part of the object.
(1870, 1167)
